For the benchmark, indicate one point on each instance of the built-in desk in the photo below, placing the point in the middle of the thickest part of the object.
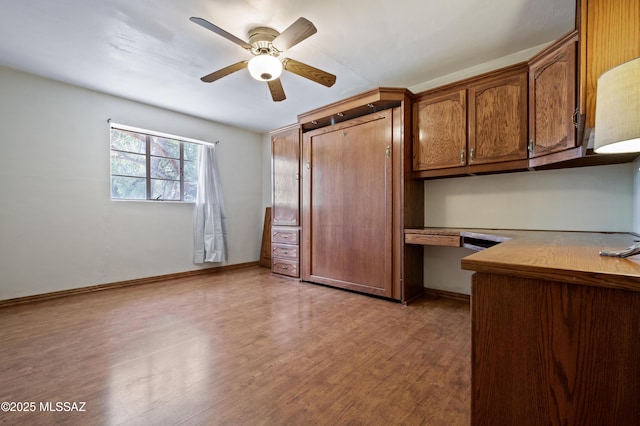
(555, 328)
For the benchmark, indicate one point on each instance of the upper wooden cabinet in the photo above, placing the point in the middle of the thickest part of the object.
(285, 151)
(440, 122)
(609, 36)
(552, 98)
(534, 115)
(477, 125)
(498, 118)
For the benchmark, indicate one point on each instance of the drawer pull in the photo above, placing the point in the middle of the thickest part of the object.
(285, 251)
(284, 266)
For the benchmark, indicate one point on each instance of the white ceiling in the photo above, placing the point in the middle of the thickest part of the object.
(149, 51)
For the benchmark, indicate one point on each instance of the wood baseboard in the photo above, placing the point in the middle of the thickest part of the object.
(128, 283)
(447, 294)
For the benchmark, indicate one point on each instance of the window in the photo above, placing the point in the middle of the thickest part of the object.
(154, 167)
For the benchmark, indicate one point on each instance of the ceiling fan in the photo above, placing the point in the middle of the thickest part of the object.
(266, 44)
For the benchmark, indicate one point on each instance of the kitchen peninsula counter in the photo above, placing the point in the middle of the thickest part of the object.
(555, 326)
(566, 256)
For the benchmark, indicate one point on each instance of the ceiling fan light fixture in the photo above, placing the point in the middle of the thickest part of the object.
(265, 67)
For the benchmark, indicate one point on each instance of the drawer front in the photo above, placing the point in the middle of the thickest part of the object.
(285, 267)
(285, 251)
(433, 240)
(288, 236)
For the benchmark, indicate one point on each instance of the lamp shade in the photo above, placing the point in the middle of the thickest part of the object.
(617, 127)
(265, 67)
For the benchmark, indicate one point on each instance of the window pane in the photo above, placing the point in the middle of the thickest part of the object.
(123, 163)
(191, 151)
(165, 189)
(128, 188)
(190, 191)
(130, 176)
(128, 141)
(165, 147)
(165, 168)
(190, 171)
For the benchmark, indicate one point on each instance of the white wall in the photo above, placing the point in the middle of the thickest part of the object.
(58, 227)
(523, 55)
(582, 199)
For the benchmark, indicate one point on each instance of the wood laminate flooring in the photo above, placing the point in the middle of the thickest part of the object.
(243, 347)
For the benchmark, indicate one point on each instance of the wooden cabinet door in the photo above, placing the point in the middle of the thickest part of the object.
(558, 353)
(440, 131)
(285, 152)
(609, 36)
(347, 205)
(552, 101)
(498, 119)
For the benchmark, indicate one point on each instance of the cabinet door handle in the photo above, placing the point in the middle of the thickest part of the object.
(530, 146)
(574, 118)
(472, 154)
(388, 151)
(462, 156)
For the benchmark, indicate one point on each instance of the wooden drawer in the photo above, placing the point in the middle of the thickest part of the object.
(284, 251)
(433, 239)
(286, 236)
(285, 267)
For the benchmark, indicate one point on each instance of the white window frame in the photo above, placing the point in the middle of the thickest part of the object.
(148, 156)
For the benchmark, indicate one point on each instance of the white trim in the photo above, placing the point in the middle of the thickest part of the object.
(159, 134)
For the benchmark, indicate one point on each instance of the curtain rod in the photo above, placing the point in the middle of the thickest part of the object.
(159, 134)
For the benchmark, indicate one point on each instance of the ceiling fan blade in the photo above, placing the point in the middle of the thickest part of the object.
(208, 25)
(277, 92)
(224, 72)
(294, 34)
(307, 71)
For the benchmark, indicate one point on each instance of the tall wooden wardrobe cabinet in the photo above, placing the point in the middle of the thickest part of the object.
(356, 187)
(357, 195)
(347, 211)
(285, 211)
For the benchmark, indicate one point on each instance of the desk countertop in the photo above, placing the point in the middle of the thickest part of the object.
(571, 257)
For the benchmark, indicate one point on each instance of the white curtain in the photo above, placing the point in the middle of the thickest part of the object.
(209, 219)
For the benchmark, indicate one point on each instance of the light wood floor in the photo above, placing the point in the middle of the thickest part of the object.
(243, 347)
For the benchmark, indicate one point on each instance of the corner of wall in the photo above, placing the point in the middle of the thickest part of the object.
(266, 170)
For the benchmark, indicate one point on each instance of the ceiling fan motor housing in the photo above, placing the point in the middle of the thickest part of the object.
(260, 39)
